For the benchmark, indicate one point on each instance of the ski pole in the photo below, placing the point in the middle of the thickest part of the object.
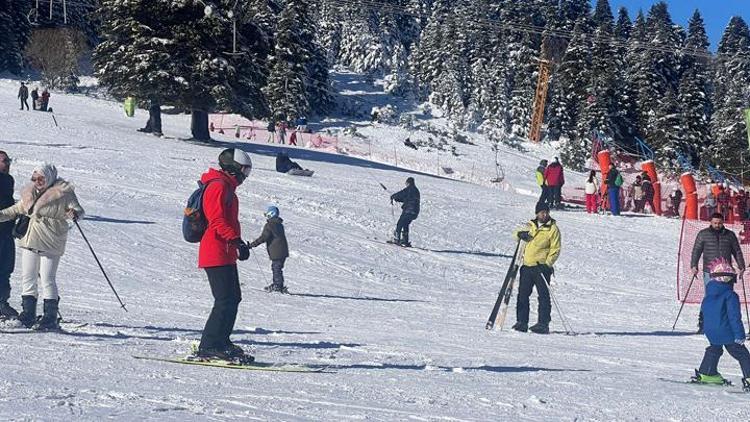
(258, 263)
(744, 293)
(568, 329)
(684, 300)
(75, 220)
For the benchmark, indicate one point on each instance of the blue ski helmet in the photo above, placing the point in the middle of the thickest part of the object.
(271, 212)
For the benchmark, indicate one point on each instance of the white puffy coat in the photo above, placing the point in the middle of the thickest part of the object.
(48, 225)
(591, 187)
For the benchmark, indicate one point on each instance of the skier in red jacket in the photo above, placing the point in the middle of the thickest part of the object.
(220, 247)
(555, 179)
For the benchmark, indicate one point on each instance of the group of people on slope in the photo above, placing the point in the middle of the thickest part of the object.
(733, 204)
(277, 131)
(39, 220)
(41, 100)
(551, 178)
(592, 190)
(720, 317)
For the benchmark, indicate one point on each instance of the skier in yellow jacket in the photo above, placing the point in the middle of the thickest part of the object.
(543, 244)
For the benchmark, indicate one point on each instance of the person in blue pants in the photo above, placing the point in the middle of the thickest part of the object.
(614, 181)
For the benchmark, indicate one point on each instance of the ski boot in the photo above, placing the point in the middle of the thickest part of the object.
(540, 328)
(7, 311)
(273, 288)
(28, 313)
(405, 240)
(49, 321)
(396, 238)
(717, 379)
(746, 385)
(521, 326)
(238, 354)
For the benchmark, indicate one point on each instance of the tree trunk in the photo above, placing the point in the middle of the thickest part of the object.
(154, 118)
(199, 125)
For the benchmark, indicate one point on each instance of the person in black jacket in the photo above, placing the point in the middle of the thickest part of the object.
(278, 250)
(284, 163)
(23, 95)
(7, 245)
(715, 241)
(409, 197)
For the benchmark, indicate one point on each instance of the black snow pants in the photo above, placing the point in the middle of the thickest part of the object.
(7, 263)
(402, 227)
(530, 277)
(277, 268)
(225, 287)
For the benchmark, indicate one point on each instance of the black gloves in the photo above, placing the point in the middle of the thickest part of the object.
(525, 236)
(242, 249)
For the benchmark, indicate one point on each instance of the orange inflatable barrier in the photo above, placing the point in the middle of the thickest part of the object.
(691, 196)
(604, 159)
(650, 168)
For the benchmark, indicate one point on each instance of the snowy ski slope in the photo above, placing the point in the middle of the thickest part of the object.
(402, 329)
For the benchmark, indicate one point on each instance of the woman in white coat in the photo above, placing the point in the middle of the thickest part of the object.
(49, 202)
(592, 191)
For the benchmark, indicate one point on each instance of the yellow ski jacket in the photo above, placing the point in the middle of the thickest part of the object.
(545, 244)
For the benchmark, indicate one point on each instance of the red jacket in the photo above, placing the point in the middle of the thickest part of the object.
(553, 175)
(221, 208)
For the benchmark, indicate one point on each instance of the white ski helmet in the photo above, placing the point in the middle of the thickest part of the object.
(236, 162)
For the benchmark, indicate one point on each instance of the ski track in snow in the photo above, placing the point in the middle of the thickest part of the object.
(403, 330)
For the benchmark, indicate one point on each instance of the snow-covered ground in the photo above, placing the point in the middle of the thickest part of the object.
(402, 329)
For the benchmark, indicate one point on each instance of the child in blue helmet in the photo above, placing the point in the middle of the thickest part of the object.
(275, 239)
(722, 325)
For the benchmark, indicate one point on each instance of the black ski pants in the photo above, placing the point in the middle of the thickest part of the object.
(7, 263)
(277, 269)
(710, 363)
(24, 102)
(531, 277)
(402, 227)
(225, 287)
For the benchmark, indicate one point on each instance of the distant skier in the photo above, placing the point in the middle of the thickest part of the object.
(591, 189)
(638, 201)
(648, 193)
(541, 182)
(34, 97)
(23, 95)
(676, 198)
(7, 245)
(278, 250)
(220, 247)
(271, 129)
(409, 197)
(44, 103)
(49, 202)
(554, 176)
(543, 245)
(723, 325)
(614, 181)
(715, 241)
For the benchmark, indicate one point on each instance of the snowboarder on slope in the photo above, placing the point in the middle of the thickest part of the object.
(409, 197)
(543, 245)
(49, 202)
(278, 250)
(7, 245)
(723, 325)
(715, 241)
(220, 247)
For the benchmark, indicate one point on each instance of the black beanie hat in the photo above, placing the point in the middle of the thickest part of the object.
(541, 206)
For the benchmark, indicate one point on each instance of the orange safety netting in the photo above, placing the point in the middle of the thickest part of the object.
(689, 231)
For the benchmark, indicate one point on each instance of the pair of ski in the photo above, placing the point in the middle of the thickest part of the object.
(506, 290)
(252, 366)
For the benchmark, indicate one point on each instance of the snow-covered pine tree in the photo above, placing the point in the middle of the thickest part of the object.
(602, 14)
(732, 79)
(624, 26)
(178, 53)
(15, 30)
(625, 107)
(667, 133)
(695, 90)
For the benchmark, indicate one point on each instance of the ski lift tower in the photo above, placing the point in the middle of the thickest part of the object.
(540, 96)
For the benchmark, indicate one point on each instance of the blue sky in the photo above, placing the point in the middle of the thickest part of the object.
(716, 13)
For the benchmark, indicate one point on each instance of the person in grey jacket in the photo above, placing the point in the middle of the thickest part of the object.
(715, 241)
(410, 199)
(278, 250)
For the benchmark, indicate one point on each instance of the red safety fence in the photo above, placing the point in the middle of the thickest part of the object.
(689, 231)
(254, 130)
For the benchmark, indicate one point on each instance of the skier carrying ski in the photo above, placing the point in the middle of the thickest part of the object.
(715, 241)
(48, 202)
(409, 197)
(220, 247)
(278, 250)
(7, 245)
(723, 325)
(543, 245)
